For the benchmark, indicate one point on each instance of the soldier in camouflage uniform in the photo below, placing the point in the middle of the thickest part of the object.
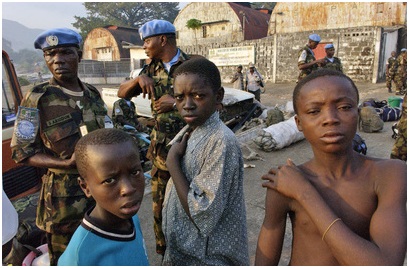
(399, 150)
(51, 119)
(401, 73)
(332, 62)
(391, 68)
(124, 113)
(156, 80)
(306, 58)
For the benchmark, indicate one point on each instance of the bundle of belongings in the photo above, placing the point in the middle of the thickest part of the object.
(373, 114)
(278, 136)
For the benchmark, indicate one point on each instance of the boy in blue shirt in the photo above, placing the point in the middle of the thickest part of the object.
(111, 174)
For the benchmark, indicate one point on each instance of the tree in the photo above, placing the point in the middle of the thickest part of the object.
(194, 24)
(268, 5)
(126, 14)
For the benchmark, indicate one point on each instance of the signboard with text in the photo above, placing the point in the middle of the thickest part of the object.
(231, 56)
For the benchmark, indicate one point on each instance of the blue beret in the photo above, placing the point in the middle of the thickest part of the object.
(156, 27)
(327, 46)
(403, 50)
(315, 38)
(57, 37)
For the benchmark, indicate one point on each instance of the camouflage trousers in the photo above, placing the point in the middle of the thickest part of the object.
(159, 180)
(389, 79)
(401, 84)
(61, 207)
(399, 149)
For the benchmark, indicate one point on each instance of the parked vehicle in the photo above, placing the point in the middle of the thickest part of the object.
(239, 105)
(18, 180)
(20, 183)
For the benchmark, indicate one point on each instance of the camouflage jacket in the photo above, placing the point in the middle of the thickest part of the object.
(392, 65)
(50, 121)
(402, 65)
(334, 65)
(305, 55)
(168, 124)
(121, 108)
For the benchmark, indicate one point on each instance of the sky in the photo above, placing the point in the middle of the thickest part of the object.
(44, 15)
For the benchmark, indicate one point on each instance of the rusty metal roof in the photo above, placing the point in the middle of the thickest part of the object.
(127, 34)
(256, 22)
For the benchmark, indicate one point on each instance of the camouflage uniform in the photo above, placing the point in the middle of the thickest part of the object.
(334, 65)
(401, 74)
(305, 55)
(391, 73)
(167, 125)
(399, 150)
(51, 122)
(121, 108)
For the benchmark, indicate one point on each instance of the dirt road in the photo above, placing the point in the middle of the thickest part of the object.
(379, 145)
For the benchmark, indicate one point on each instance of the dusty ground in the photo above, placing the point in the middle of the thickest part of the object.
(379, 145)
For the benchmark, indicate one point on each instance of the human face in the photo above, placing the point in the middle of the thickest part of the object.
(63, 62)
(195, 99)
(312, 44)
(153, 47)
(330, 52)
(115, 180)
(327, 113)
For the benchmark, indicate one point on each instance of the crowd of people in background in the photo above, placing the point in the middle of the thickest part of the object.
(342, 209)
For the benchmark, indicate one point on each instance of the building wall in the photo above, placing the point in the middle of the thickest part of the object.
(100, 38)
(290, 17)
(276, 56)
(227, 27)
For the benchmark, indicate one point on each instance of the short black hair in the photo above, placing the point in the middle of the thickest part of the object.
(316, 74)
(104, 136)
(202, 67)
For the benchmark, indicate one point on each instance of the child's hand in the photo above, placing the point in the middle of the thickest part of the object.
(178, 149)
(288, 180)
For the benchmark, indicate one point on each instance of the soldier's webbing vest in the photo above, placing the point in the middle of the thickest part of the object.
(61, 118)
(168, 124)
(309, 58)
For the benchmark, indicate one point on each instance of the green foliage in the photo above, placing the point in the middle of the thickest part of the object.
(194, 24)
(23, 81)
(268, 5)
(27, 61)
(125, 14)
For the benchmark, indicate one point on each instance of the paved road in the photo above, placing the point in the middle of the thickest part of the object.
(379, 145)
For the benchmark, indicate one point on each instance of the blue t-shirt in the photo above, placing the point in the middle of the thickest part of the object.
(92, 245)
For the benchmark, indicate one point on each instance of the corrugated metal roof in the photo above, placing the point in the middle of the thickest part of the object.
(256, 22)
(127, 34)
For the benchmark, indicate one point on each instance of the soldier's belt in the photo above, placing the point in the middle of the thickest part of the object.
(63, 171)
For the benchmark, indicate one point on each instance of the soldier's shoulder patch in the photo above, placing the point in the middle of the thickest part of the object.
(27, 124)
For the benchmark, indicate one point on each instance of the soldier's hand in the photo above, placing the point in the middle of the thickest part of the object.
(147, 84)
(321, 62)
(164, 104)
(72, 162)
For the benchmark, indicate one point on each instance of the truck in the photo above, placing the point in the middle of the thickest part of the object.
(21, 183)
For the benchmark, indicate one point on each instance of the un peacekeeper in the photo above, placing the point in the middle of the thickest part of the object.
(51, 119)
(156, 81)
(391, 68)
(124, 113)
(332, 62)
(401, 73)
(400, 148)
(306, 58)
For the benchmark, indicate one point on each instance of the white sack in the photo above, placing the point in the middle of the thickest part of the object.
(278, 136)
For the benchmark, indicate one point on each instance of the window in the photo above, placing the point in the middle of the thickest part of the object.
(204, 30)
